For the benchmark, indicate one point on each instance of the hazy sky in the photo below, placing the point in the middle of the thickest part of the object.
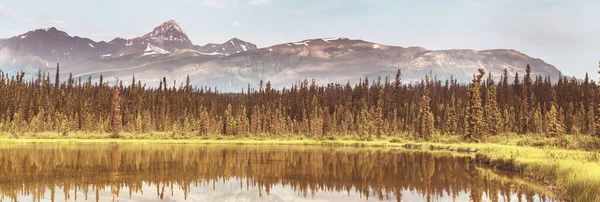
(565, 33)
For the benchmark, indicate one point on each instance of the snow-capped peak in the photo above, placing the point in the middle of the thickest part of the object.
(171, 24)
(168, 31)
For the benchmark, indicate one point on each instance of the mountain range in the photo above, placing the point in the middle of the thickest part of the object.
(167, 51)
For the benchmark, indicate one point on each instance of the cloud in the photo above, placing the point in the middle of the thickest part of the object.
(259, 2)
(236, 24)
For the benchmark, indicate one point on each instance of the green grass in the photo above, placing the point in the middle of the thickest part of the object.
(577, 172)
(569, 162)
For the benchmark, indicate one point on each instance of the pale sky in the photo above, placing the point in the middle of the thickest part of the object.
(565, 33)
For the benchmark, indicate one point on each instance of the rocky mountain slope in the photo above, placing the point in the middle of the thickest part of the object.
(230, 47)
(167, 51)
(43, 48)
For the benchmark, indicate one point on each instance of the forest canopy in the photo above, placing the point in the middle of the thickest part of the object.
(372, 108)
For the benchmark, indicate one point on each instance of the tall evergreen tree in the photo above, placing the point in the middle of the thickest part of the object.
(379, 122)
(555, 127)
(425, 116)
(524, 118)
(492, 112)
(474, 116)
(57, 77)
(116, 110)
(452, 116)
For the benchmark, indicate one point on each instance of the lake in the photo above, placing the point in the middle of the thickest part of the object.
(188, 172)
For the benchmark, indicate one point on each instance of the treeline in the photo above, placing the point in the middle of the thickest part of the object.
(369, 109)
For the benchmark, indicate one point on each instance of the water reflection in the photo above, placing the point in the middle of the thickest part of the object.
(147, 172)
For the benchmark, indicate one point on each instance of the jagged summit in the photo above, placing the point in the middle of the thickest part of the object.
(46, 32)
(168, 31)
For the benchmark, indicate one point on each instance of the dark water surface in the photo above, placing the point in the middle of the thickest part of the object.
(169, 172)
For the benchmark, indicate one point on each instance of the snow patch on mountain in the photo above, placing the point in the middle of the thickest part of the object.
(154, 50)
(328, 40)
(305, 43)
(213, 53)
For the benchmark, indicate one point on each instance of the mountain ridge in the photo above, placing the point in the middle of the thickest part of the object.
(43, 48)
(167, 51)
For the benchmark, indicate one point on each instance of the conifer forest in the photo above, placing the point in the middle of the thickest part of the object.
(371, 109)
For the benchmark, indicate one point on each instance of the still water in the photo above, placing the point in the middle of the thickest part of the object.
(180, 172)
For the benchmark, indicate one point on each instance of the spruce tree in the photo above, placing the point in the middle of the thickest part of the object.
(57, 77)
(555, 128)
(379, 122)
(139, 123)
(426, 118)
(591, 123)
(203, 121)
(492, 112)
(116, 111)
(452, 116)
(537, 122)
(524, 112)
(474, 114)
(242, 121)
(570, 120)
(229, 122)
(362, 125)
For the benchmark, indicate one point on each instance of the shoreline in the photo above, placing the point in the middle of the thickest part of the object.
(571, 174)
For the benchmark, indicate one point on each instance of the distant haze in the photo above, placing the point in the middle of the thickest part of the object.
(562, 33)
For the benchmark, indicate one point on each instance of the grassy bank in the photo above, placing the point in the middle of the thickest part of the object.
(568, 163)
(569, 142)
